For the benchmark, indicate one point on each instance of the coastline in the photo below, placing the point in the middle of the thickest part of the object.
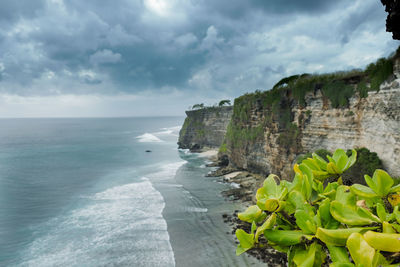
(194, 209)
(242, 192)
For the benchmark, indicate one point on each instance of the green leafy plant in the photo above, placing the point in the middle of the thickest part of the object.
(224, 102)
(198, 106)
(310, 218)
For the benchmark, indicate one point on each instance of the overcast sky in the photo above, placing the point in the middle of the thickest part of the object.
(67, 58)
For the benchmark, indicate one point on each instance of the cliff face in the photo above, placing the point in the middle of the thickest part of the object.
(204, 128)
(265, 132)
(372, 122)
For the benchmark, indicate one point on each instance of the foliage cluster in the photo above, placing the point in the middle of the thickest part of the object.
(198, 106)
(288, 137)
(367, 162)
(274, 109)
(185, 126)
(275, 105)
(378, 72)
(310, 218)
(338, 87)
(223, 148)
(224, 102)
(323, 153)
(238, 135)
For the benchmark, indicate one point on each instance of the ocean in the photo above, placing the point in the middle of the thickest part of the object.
(84, 192)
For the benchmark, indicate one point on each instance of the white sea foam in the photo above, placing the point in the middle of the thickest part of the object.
(148, 138)
(235, 185)
(166, 171)
(184, 150)
(174, 131)
(197, 209)
(122, 225)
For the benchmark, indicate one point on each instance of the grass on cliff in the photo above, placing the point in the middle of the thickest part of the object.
(253, 112)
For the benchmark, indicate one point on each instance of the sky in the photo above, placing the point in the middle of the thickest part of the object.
(108, 58)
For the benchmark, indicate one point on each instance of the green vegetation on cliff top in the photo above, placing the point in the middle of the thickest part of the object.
(274, 106)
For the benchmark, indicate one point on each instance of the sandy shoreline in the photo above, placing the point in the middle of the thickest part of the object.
(211, 154)
(244, 186)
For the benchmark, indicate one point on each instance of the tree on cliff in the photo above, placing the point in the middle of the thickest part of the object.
(198, 106)
(224, 102)
(393, 18)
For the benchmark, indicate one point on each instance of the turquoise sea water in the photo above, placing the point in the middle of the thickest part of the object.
(84, 192)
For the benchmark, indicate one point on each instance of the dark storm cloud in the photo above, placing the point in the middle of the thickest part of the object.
(11, 10)
(237, 9)
(108, 47)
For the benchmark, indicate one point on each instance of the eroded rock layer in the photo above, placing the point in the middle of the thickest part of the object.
(204, 128)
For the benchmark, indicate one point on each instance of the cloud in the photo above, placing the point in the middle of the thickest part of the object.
(211, 39)
(208, 48)
(104, 56)
(186, 40)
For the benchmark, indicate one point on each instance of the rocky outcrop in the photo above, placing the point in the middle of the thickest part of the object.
(204, 128)
(372, 122)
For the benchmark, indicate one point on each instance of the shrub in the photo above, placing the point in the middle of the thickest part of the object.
(224, 102)
(379, 72)
(338, 93)
(223, 148)
(367, 162)
(309, 218)
(323, 153)
(363, 89)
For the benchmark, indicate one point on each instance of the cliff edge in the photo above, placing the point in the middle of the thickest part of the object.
(204, 128)
(266, 132)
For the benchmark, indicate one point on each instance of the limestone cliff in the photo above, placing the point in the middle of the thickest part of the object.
(265, 132)
(268, 132)
(204, 128)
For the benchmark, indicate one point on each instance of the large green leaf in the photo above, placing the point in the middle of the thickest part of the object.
(296, 198)
(381, 212)
(370, 183)
(338, 237)
(338, 154)
(332, 168)
(307, 181)
(270, 186)
(327, 220)
(246, 241)
(361, 252)
(312, 164)
(383, 182)
(388, 228)
(252, 213)
(268, 224)
(363, 191)
(395, 189)
(285, 237)
(345, 196)
(350, 215)
(383, 241)
(271, 204)
(352, 159)
(341, 264)
(314, 255)
(338, 254)
(342, 163)
(320, 161)
(305, 221)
